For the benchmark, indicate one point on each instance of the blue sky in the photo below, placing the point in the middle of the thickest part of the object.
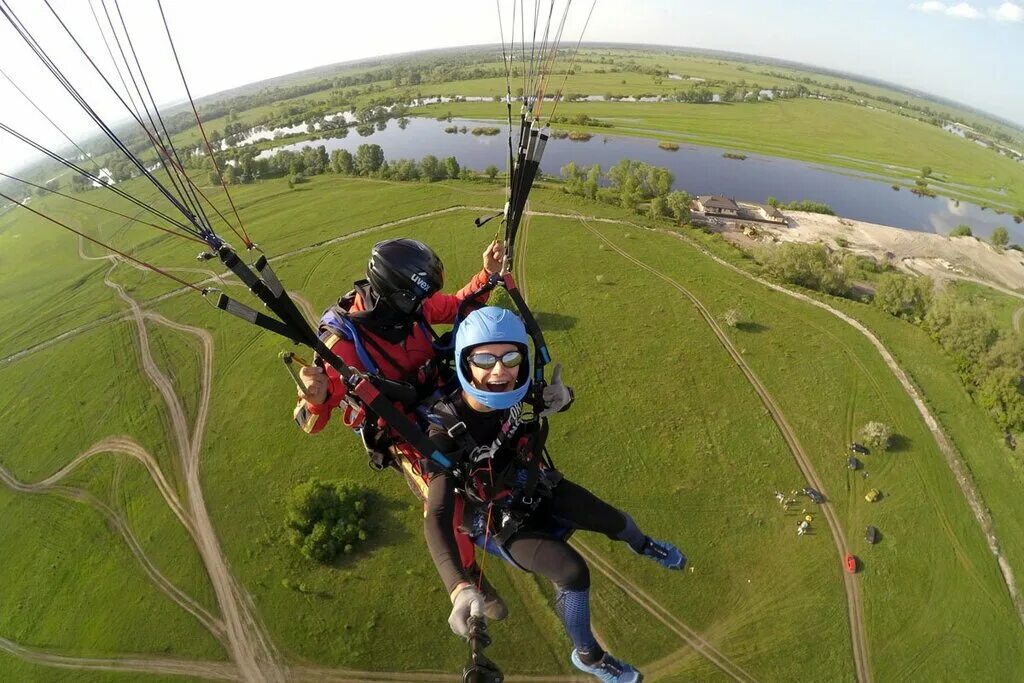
(967, 51)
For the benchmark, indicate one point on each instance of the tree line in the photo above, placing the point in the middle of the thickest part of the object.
(634, 185)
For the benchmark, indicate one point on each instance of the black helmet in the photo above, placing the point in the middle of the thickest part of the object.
(404, 272)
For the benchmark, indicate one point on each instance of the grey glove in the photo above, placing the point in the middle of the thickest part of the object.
(557, 396)
(467, 602)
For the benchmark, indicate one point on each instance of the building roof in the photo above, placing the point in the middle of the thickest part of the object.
(771, 211)
(717, 201)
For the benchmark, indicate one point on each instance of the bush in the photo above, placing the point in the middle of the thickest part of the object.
(1000, 237)
(810, 207)
(326, 519)
(876, 436)
(962, 230)
(806, 265)
(904, 296)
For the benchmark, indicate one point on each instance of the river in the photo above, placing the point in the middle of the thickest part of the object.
(698, 170)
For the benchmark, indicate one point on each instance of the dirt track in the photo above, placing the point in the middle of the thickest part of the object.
(854, 603)
(959, 468)
(643, 599)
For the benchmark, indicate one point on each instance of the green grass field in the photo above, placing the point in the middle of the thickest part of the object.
(665, 426)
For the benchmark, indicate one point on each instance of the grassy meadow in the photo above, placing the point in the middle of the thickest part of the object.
(665, 426)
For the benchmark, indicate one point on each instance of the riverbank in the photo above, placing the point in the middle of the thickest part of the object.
(935, 255)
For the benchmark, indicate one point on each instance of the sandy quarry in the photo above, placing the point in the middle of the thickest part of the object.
(921, 252)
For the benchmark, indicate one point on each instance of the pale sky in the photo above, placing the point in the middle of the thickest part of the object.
(971, 52)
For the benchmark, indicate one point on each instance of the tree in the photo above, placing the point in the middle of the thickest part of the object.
(592, 182)
(657, 208)
(431, 168)
(342, 162)
(368, 159)
(772, 201)
(806, 265)
(405, 169)
(679, 205)
(732, 317)
(326, 519)
(876, 436)
(1002, 394)
(491, 171)
(926, 172)
(962, 230)
(1000, 237)
(451, 168)
(574, 178)
(904, 296)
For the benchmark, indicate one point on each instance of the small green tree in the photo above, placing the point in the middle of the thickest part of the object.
(962, 230)
(679, 205)
(491, 171)
(342, 162)
(451, 168)
(592, 182)
(1000, 237)
(904, 296)
(657, 208)
(926, 172)
(876, 436)
(326, 519)
(806, 265)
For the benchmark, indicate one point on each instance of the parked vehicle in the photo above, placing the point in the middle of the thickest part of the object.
(814, 495)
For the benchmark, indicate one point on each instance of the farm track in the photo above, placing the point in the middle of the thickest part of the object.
(854, 602)
(644, 600)
(961, 473)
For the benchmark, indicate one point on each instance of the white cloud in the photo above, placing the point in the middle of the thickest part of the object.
(931, 6)
(1008, 11)
(963, 10)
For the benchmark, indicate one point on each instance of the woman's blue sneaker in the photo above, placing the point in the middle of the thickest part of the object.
(664, 553)
(608, 669)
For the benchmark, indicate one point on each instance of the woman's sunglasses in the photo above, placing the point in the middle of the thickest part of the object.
(486, 361)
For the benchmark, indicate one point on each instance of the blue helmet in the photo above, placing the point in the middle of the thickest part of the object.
(492, 325)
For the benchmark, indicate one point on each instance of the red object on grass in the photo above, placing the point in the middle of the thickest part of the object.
(851, 563)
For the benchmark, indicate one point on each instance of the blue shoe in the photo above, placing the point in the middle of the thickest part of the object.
(664, 553)
(608, 670)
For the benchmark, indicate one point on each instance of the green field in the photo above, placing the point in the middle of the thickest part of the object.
(665, 425)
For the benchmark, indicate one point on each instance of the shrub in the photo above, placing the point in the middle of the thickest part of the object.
(876, 436)
(806, 265)
(326, 519)
(904, 296)
(962, 230)
(810, 207)
(1000, 237)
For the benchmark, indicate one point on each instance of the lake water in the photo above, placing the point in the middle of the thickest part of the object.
(698, 170)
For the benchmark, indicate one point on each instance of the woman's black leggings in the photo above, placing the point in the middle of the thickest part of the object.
(538, 549)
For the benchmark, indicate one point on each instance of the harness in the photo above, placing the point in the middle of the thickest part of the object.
(380, 445)
(506, 498)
